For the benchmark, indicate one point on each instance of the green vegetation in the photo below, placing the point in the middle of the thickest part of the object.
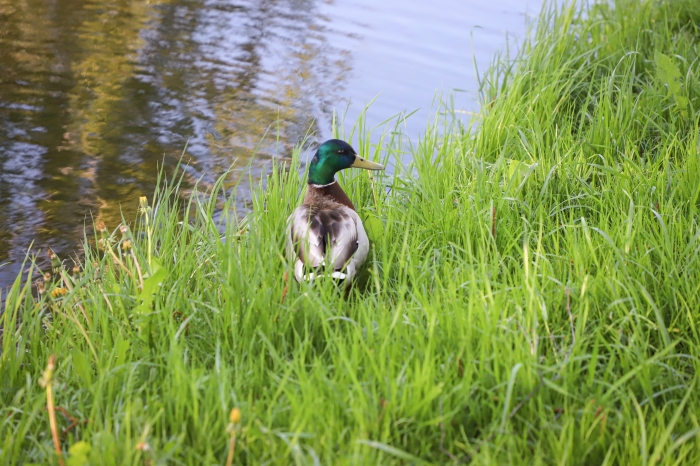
(531, 295)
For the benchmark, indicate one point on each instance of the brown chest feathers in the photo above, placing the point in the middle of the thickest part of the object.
(326, 196)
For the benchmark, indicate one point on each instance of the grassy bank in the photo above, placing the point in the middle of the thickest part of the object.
(531, 296)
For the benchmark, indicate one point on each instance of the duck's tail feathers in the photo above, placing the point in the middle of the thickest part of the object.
(311, 276)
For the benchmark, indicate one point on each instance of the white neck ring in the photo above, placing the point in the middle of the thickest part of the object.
(323, 185)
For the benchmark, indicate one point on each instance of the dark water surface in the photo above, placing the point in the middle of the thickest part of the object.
(96, 94)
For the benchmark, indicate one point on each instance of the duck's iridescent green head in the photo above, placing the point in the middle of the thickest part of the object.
(331, 157)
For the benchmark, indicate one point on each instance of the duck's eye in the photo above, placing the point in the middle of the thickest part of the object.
(341, 151)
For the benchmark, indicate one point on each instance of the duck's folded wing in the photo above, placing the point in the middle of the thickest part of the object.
(316, 233)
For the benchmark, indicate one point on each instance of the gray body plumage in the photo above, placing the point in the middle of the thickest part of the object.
(326, 236)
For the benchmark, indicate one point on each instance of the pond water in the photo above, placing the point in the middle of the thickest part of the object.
(96, 94)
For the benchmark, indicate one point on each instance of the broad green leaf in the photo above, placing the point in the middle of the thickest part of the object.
(150, 287)
(667, 72)
(681, 102)
(155, 265)
(78, 454)
(374, 227)
(518, 169)
(122, 347)
(516, 173)
(82, 367)
(669, 75)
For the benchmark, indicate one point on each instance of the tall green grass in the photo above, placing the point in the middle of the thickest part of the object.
(531, 295)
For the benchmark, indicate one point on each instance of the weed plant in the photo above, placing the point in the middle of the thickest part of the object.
(531, 295)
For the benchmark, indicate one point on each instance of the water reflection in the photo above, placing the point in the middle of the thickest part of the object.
(95, 94)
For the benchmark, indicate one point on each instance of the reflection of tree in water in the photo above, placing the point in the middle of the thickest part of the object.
(94, 94)
(37, 195)
(110, 111)
(293, 86)
(250, 72)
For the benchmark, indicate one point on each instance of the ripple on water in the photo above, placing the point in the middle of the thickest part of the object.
(95, 95)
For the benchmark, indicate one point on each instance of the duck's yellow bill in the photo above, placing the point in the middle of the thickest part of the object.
(366, 164)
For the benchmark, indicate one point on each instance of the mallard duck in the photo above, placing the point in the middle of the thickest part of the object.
(325, 233)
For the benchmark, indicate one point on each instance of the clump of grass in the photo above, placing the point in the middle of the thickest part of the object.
(531, 294)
